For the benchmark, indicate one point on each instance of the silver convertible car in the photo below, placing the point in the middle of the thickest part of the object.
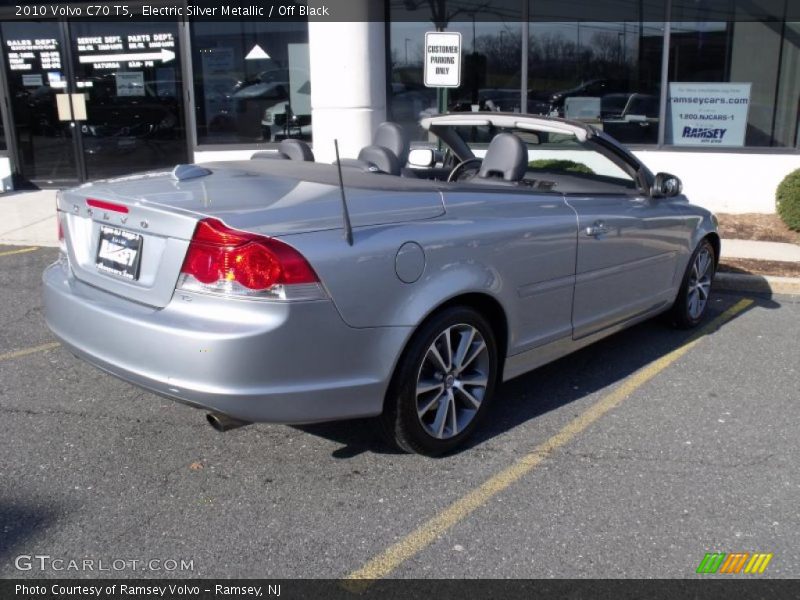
(402, 283)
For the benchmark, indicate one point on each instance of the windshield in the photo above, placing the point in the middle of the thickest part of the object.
(549, 152)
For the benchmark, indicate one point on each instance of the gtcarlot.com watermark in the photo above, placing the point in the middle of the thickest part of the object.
(45, 562)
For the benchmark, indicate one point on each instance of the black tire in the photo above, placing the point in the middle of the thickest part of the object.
(402, 425)
(682, 315)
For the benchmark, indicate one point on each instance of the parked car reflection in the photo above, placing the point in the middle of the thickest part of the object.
(261, 108)
(591, 88)
(281, 120)
(120, 124)
(637, 121)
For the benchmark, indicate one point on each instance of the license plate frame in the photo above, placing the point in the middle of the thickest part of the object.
(119, 252)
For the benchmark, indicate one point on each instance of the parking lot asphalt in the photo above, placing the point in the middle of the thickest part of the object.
(699, 456)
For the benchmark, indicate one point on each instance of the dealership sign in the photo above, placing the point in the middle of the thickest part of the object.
(707, 114)
(442, 59)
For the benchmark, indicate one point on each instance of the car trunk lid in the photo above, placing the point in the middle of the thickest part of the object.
(160, 211)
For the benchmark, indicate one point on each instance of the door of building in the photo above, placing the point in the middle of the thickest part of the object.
(93, 100)
(41, 136)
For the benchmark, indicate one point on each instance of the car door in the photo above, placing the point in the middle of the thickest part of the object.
(531, 229)
(628, 243)
(628, 246)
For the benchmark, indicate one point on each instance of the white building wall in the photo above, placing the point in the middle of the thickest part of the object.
(725, 182)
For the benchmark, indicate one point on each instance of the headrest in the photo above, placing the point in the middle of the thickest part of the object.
(506, 157)
(268, 154)
(296, 150)
(392, 137)
(385, 160)
(288, 150)
(354, 163)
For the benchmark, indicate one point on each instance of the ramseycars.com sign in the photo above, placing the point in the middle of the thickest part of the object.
(707, 114)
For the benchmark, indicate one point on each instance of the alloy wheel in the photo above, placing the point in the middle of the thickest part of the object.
(700, 283)
(452, 381)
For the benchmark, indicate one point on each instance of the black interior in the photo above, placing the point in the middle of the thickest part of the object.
(288, 149)
(505, 162)
(505, 165)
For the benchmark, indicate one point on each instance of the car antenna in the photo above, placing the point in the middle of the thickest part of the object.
(348, 227)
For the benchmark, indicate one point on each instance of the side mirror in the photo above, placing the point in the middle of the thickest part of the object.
(666, 186)
(421, 157)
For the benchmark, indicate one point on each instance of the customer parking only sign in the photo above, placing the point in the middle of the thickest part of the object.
(442, 59)
(707, 114)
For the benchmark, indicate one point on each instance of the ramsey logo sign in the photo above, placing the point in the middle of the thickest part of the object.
(704, 133)
(720, 562)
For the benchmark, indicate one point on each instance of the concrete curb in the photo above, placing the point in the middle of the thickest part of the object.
(757, 284)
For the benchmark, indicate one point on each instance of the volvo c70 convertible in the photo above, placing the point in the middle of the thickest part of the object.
(402, 283)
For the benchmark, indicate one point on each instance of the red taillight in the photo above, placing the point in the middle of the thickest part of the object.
(105, 205)
(62, 244)
(219, 255)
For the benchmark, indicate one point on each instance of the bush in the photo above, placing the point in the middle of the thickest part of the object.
(788, 200)
(556, 164)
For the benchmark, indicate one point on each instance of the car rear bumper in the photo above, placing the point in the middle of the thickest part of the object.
(256, 361)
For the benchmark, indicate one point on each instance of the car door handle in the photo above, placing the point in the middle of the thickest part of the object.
(599, 228)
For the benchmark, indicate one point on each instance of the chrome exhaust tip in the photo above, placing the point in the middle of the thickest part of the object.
(224, 423)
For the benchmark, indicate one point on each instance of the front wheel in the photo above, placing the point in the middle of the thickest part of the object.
(443, 383)
(692, 303)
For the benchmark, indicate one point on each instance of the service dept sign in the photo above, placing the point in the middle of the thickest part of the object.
(707, 114)
(442, 59)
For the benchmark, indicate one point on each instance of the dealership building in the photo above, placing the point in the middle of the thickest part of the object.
(710, 94)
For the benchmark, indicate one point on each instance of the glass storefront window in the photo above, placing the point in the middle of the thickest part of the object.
(110, 105)
(251, 81)
(3, 143)
(607, 74)
(604, 73)
(787, 112)
(129, 77)
(730, 83)
(35, 65)
(490, 71)
(721, 95)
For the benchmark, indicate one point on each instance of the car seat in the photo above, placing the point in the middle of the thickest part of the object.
(288, 149)
(505, 163)
(388, 152)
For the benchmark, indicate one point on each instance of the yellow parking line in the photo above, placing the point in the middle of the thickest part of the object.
(386, 562)
(20, 251)
(26, 351)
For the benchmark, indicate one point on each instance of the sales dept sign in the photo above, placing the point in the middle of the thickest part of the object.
(442, 59)
(708, 114)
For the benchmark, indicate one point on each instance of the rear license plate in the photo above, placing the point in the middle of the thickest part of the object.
(119, 252)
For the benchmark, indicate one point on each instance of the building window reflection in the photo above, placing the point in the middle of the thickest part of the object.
(606, 74)
(251, 81)
(609, 73)
(758, 100)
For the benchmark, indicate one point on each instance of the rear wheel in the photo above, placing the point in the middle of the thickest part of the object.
(443, 383)
(692, 303)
